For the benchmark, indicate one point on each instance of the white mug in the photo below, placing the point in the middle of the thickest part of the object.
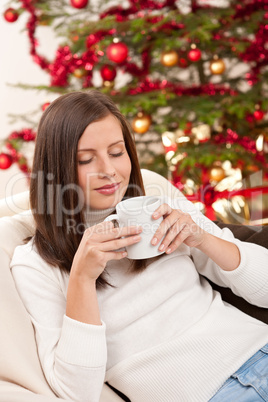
(137, 211)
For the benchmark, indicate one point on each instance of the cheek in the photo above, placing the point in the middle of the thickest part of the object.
(83, 177)
(125, 166)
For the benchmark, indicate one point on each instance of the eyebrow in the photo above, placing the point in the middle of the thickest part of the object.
(92, 149)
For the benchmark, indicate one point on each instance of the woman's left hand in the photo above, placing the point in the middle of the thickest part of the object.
(177, 227)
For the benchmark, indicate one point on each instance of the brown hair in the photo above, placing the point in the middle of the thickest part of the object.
(54, 190)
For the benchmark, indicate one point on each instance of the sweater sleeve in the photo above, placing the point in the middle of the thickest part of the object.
(250, 279)
(72, 354)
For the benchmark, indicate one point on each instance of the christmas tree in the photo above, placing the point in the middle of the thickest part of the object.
(190, 77)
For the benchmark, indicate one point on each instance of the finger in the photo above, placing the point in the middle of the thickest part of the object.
(104, 225)
(113, 233)
(171, 235)
(182, 228)
(179, 239)
(163, 209)
(115, 255)
(119, 243)
(165, 225)
(127, 231)
(99, 228)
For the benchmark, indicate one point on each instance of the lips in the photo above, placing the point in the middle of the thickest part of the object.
(108, 188)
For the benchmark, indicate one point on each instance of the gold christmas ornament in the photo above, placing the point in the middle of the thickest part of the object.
(108, 84)
(169, 58)
(80, 72)
(217, 66)
(202, 133)
(216, 173)
(141, 123)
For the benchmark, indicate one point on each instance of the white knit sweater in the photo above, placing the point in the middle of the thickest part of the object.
(166, 335)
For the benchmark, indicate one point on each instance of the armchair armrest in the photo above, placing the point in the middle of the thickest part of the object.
(251, 234)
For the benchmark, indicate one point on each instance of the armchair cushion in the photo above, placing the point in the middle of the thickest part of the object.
(21, 376)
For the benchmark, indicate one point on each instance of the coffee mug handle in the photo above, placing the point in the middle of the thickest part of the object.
(113, 217)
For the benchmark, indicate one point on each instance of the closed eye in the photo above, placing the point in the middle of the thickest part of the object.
(91, 159)
(118, 154)
(85, 162)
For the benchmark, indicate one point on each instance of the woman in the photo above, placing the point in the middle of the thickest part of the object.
(154, 330)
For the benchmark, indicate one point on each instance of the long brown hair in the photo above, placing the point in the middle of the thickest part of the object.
(54, 190)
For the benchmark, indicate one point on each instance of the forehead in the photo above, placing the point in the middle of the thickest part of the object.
(101, 133)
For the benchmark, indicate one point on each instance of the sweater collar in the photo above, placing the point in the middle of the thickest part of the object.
(95, 216)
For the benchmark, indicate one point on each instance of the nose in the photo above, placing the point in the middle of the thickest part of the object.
(106, 168)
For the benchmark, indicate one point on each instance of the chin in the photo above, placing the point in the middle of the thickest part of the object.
(105, 202)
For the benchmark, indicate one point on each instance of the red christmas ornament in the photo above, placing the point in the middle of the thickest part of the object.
(108, 72)
(45, 105)
(79, 3)
(194, 54)
(183, 62)
(258, 114)
(5, 161)
(117, 52)
(11, 15)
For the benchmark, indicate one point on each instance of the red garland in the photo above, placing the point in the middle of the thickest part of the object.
(65, 62)
(93, 39)
(244, 10)
(231, 137)
(31, 27)
(207, 195)
(257, 52)
(207, 89)
(13, 144)
(137, 6)
(133, 69)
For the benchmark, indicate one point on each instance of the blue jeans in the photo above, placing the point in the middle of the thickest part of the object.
(249, 383)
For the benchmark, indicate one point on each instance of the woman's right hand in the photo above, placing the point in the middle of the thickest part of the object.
(99, 245)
